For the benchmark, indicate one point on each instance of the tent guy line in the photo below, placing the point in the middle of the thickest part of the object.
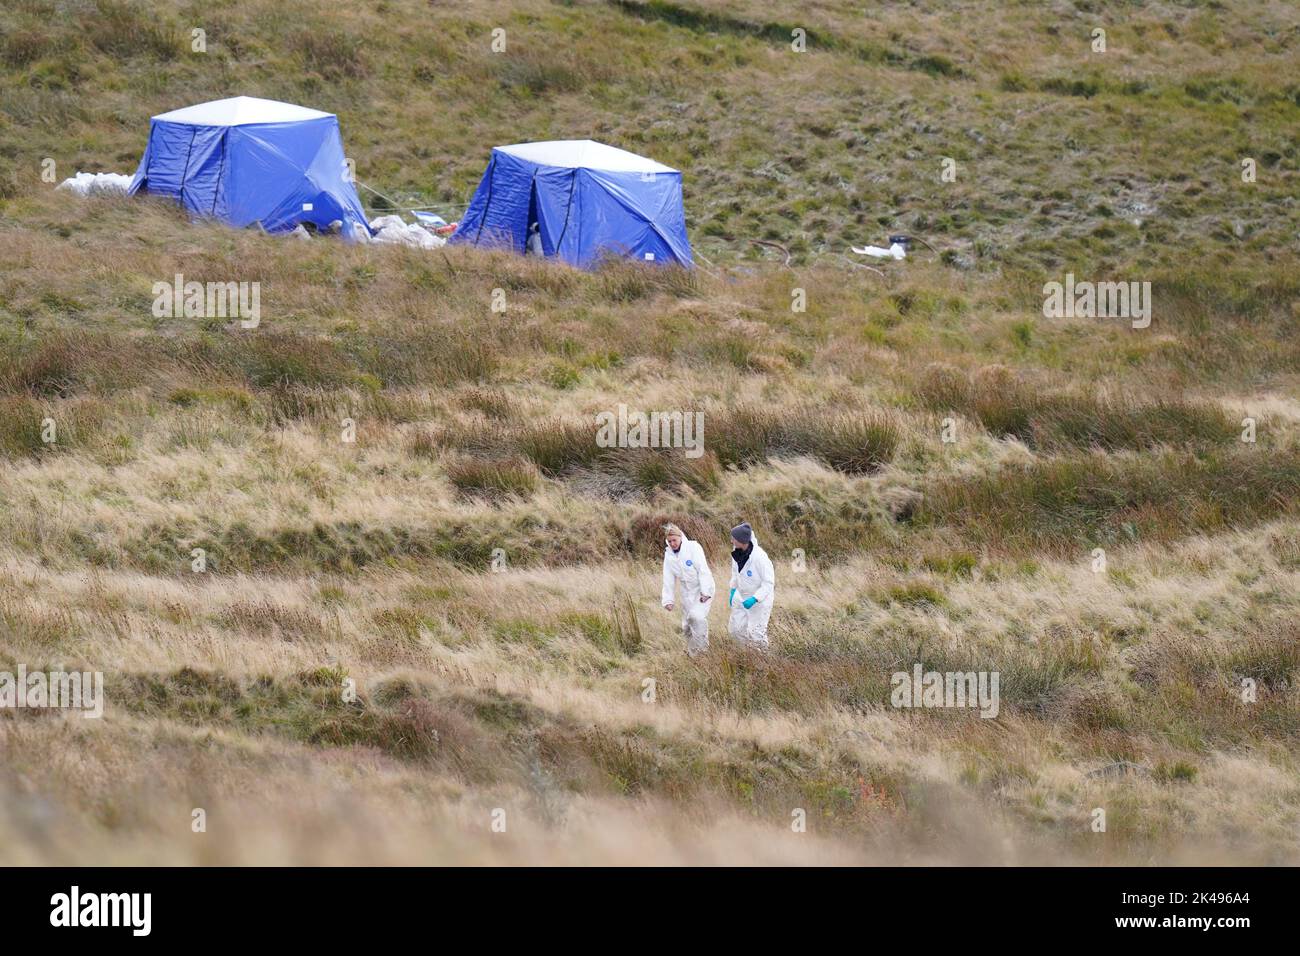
(440, 207)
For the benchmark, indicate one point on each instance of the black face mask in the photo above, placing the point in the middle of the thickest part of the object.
(741, 555)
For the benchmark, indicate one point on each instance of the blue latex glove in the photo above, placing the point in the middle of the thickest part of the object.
(731, 598)
(749, 602)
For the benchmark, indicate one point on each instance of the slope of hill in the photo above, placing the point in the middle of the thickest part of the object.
(395, 488)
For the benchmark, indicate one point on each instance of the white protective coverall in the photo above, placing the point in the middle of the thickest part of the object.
(689, 567)
(757, 580)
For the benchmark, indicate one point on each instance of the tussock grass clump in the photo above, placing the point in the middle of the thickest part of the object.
(494, 477)
(669, 469)
(1192, 688)
(915, 594)
(26, 422)
(63, 362)
(400, 623)
(744, 436)
(123, 29)
(850, 442)
(47, 368)
(276, 361)
(58, 364)
(822, 662)
(539, 71)
(428, 355)
(627, 626)
(492, 402)
(621, 281)
(853, 443)
(270, 618)
(336, 547)
(424, 443)
(755, 683)
(233, 397)
(1115, 424)
(492, 439)
(1269, 655)
(287, 403)
(1197, 299)
(1007, 405)
(618, 631)
(716, 23)
(333, 55)
(26, 45)
(282, 360)
(1286, 548)
(957, 564)
(557, 446)
(308, 707)
(20, 427)
(1231, 321)
(348, 547)
(1063, 505)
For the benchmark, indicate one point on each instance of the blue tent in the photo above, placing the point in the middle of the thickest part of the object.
(588, 200)
(247, 160)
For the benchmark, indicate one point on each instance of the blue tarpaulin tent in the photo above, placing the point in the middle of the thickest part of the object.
(246, 160)
(588, 200)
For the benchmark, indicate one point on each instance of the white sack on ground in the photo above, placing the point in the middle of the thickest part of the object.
(97, 184)
(393, 229)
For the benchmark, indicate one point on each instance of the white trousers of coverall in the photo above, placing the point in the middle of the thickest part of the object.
(695, 621)
(749, 625)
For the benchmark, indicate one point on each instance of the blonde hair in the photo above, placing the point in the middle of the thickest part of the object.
(671, 528)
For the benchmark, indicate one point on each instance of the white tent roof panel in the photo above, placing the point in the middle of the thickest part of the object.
(587, 154)
(241, 111)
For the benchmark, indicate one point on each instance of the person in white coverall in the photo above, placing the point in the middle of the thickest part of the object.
(753, 588)
(685, 564)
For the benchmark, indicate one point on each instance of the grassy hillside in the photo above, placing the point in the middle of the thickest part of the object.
(521, 687)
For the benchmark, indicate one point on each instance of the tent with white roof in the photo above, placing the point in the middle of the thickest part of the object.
(246, 160)
(587, 199)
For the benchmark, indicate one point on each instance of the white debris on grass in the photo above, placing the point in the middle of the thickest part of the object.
(97, 184)
(895, 251)
(394, 229)
(386, 228)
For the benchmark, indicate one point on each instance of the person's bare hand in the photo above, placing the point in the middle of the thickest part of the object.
(668, 607)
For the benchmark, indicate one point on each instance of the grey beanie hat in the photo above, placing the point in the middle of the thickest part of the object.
(743, 533)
